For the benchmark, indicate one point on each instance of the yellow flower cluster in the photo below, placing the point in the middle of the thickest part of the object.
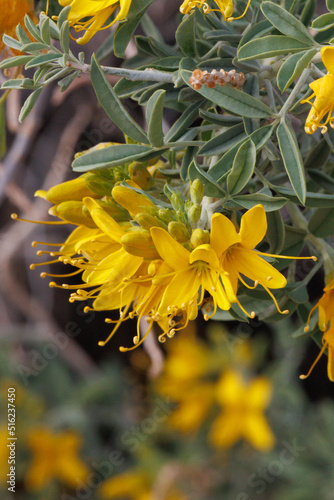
(325, 308)
(225, 7)
(148, 259)
(190, 380)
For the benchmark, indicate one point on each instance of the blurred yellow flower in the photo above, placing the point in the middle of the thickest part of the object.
(134, 486)
(323, 91)
(225, 7)
(3, 455)
(96, 13)
(243, 412)
(325, 308)
(55, 456)
(12, 13)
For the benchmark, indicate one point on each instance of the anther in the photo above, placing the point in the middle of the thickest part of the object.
(136, 340)
(269, 278)
(252, 314)
(87, 309)
(43, 275)
(32, 266)
(52, 284)
(206, 317)
(306, 329)
(286, 311)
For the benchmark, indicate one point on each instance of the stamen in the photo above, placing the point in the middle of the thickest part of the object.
(35, 243)
(44, 274)
(16, 217)
(33, 266)
(303, 377)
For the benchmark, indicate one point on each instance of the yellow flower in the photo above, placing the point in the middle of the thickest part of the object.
(192, 273)
(186, 365)
(4, 455)
(55, 456)
(11, 14)
(237, 251)
(323, 91)
(325, 308)
(224, 6)
(96, 13)
(243, 412)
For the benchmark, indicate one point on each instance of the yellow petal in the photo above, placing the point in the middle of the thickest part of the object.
(182, 289)
(172, 252)
(257, 431)
(223, 234)
(327, 56)
(204, 253)
(103, 220)
(230, 389)
(253, 227)
(329, 338)
(259, 393)
(254, 267)
(226, 430)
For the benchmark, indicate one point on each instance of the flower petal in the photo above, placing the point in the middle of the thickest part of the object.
(204, 253)
(253, 227)
(257, 431)
(223, 234)
(182, 289)
(172, 252)
(327, 56)
(254, 267)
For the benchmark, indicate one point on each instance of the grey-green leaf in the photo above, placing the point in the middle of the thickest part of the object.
(113, 106)
(292, 159)
(154, 115)
(286, 23)
(243, 167)
(269, 46)
(110, 157)
(211, 188)
(293, 67)
(321, 223)
(323, 22)
(29, 104)
(232, 100)
(185, 35)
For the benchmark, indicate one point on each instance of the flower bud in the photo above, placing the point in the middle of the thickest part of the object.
(199, 237)
(75, 190)
(165, 215)
(140, 175)
(113, 209)
(177, 201)
(147, 221)
(196, 191)
(132, 201)
(99, 146)
(194, 213)
(139, 242)
(73, 211)
(179, 231)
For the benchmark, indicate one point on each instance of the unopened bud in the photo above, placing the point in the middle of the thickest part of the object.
(165, 215)
(147, 221)
(132, 201)
(194, 213)
(199, 237)
(196, 191)
(75, 190)
(73, 211)
(140, 175)
(101, 145)
(178, 231)
(139, 242)
(177, 201)
(113, 209)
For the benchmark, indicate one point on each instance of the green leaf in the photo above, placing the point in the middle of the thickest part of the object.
(293, 67)
(32, 28)
(42, 59)
(256, 31)
(15, 61)
(65, 37)
(183, 123)
(232, 100)
(185, 35)
(12, 42)
(154, 115)
(307, 13)
(45, 30)
(223, 142)
(29, 104)
(313, 200)
(323, 22)
(259, 137)
(126, 28)
(222, 120)
(113, 106)
(321, 223)
(63, 15)
(211, 188)
(275, 232)
(269, 46)
(292, 159)
(318, 157)
(323, 180)
(286, 23)
(110, 157)
(330, 5)
(243, 167)
(270, 203)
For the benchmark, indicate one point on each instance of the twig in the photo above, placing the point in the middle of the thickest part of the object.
(146, 75)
